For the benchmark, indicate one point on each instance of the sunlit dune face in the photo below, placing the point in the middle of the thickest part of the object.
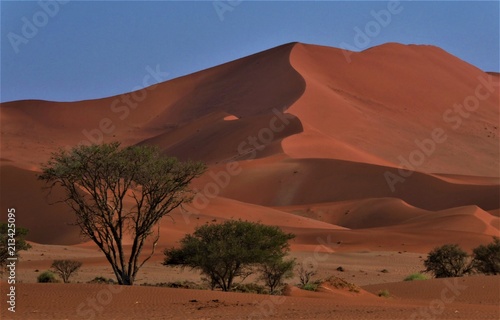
(230, 118)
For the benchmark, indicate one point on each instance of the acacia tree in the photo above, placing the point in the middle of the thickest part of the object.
(66, 268)
(487, 257)
(6, 233)
(230, 250)
(448, 260)
(274, 271)
(121, 192)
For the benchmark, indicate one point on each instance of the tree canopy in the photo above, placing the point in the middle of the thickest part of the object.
(230, 250)
(19, 242)
(121, 192)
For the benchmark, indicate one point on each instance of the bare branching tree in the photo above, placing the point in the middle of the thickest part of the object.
(65, 268)
(120, 193)
(306, 272)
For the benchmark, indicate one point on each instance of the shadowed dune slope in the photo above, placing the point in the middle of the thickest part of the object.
(285, 182)
(49, 224)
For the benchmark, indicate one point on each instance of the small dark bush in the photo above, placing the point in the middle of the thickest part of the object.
(249, 288)
(310, 287)
(47, 277)
(415, 276)
(101, 280)
(384, 293)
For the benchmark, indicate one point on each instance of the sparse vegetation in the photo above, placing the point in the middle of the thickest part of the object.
(251, 288)
(384, 293)
(311, 286)
(448, 260)
(274, 271)
(178, 284)
(121, 191)
(340, 283)
(19, 238)
(487, 257)
(415, 276)
(101, 279)
(47, 277)
(384, 271)
(306, 272)
(65, 268)
(230, 250)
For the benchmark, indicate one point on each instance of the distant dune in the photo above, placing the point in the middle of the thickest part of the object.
(401, 145)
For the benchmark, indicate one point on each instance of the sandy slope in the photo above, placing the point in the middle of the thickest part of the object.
(298, 137)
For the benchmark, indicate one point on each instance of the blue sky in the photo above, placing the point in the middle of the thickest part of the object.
(92, 49)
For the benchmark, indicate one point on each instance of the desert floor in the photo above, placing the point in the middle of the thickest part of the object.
(473, 297)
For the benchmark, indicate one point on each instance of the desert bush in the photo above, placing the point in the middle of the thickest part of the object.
(415, 276)
(230, 250)
(384, 293)
(65, 268)
(177, 284)
(487, 258)
(311, 286)
(448, 260)
(47, 277)
(273, 272)
(101, 279)
(249, 288)
(306, 272)
(340, 283)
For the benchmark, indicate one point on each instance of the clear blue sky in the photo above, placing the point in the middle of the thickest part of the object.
(93, 49)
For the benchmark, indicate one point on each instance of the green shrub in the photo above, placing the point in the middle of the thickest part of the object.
(230, 250)
(47, 277)
(249, 288)
(311, 286)
(415, 276)
(384, 293)
(101, 280)
(487, 258)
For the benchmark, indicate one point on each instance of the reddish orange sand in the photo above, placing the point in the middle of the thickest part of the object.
(295, 137)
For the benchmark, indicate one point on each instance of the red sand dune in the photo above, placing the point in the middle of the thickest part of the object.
(312, 134)
(298, 137)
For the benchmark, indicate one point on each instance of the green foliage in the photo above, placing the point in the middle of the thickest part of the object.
(101, 279)
(312, 286)
(178, 284)
(384, 293)
(65, 268)
(274, 271)
(20, 242)
(249, 288)
(415, 276)
(47, 277)
(117, 192)
(223, 252)
(487, 258)
(448, 260)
